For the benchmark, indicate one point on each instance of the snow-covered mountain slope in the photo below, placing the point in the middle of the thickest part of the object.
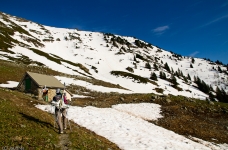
(126, 61)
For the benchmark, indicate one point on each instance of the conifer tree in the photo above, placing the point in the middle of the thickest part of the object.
(173, 80)
(162, 75)
(189, 78)
(219, 69)
(155, 67)
(167, 67)
(153, 76)
(147, 65)
(193, 60)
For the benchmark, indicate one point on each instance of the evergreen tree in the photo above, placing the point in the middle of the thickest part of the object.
(172, 70)
(202, 85)
(167, 67)
(173, 80)
(211, 96)
(219, 94)
(176, 74)
(195, 79)
(135, 58)
(162, 75)
(211, 88)
(219, 69)
(153, 76)
(189, 78)
(193, 60)
(114, 44)
(185, 79)
(155, 67)
(191, 66)
(181, 74)
(147, 65)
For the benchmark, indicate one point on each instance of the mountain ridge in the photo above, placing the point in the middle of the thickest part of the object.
(98, 55)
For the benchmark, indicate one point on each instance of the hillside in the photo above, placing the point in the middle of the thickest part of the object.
(26, 127)
(103, 70)
(124, 61)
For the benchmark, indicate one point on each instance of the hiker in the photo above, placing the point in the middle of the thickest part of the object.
(65, 98)
(45, 93)
(60, 111)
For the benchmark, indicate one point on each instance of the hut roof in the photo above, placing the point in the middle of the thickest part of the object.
(42, 80)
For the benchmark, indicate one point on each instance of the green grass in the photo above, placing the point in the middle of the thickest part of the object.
(84, 139)
(22, 124)
(58, 59)
(6, 41)
(41, 53)
(77, 65)
(10, 71)
(133, 76)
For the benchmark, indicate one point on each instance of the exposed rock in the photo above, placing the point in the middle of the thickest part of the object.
(153, 100)
(135, 99)
(211, 103)
(122, 99)
(185, 108)
(35, 97)
(168, 101)
(23, 126)
(17, 138)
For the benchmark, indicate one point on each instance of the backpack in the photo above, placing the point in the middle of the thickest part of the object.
(57, 98)
(65, 100)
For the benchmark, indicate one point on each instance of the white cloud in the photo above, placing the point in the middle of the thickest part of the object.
(160, 30)
(225, 4)
(216, 20)
(194, 54)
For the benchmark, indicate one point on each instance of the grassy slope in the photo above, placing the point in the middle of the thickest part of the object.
(23, 124)
(10, 71)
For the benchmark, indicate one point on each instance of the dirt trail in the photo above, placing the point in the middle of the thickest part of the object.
(64, 142)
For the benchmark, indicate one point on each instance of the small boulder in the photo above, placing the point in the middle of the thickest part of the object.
(122, 99)
(168, 101)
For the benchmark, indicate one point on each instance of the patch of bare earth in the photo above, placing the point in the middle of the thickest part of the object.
(64, 142)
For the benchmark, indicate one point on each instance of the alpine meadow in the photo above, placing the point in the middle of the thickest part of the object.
(126, 93)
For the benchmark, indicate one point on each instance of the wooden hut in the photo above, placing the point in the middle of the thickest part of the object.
(42, 86)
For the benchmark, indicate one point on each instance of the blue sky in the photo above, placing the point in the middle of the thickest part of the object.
(197, 28)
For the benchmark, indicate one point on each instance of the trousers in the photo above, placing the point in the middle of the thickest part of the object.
(61, 118)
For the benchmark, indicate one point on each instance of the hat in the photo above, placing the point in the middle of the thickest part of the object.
(57, 90)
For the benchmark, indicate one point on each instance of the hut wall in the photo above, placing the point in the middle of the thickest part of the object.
(33, 87)
(68, 96)
(51, 94)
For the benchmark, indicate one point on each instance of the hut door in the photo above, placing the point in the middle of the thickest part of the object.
(27, 84)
